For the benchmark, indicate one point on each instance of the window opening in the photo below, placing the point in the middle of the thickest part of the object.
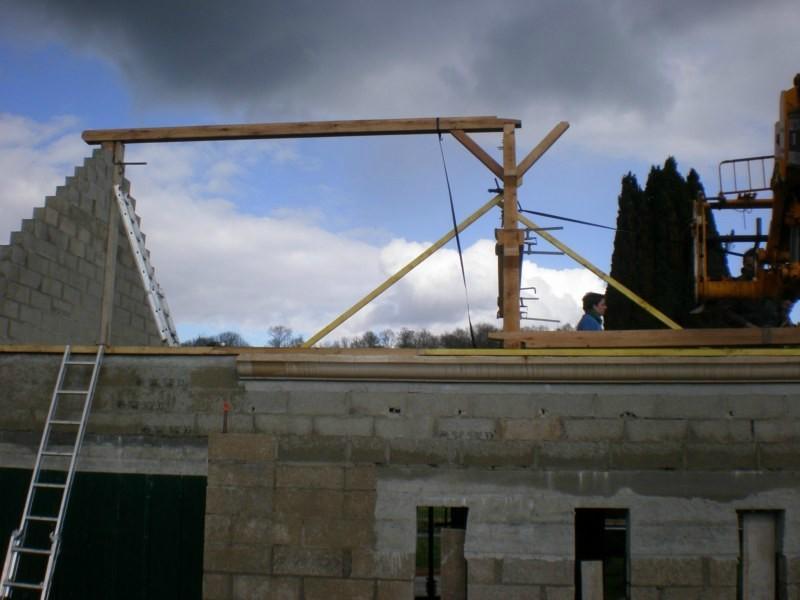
(601, 538)
(430, 522)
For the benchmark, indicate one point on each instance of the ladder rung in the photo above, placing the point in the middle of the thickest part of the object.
(80, 362)
(52, 453)
(23, 550)
(63, 422)
(42, 518)
(23, 585)
(49, 485)
(84, 392)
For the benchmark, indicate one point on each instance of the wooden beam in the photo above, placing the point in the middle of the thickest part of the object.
(655, 338)
(478, 152)
(112, 242)
(400, 274)
(510, 238)
(628, 293)
(303, 129)
(541, 148)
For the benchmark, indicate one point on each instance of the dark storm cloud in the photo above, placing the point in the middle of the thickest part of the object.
(305, 58)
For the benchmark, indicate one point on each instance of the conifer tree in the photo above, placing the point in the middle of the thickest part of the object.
(653, 249)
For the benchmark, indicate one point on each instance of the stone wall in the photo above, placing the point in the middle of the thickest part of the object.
(313, 489)
(51, 272)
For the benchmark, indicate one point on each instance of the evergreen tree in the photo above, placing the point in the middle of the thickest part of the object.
(653, 249)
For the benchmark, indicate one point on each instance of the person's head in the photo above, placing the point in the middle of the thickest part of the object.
(593, 301)
(749, 263)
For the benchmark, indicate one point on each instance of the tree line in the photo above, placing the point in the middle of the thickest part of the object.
(280, 336)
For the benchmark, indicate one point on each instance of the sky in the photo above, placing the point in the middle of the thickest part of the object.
(251, 234)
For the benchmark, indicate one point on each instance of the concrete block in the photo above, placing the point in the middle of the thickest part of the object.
(283, 424)
(394, 590)
(720, 431)
(252, 587)
(312, 449)
(482, 591)
(236, 474)
(309, 477)
(368, 450)
(722, 573)
(237, 500)
(385, 404)
(359, 505)
(30, 278)
(665, 572)
(667, 455)
(314, 562)
(19, 293)
(645, 593)
(287, 530)
(540, 429)
(759, 406)
(655, 430)
(218, 529)
(573, 455)
(561, 592)
(593, 430)
(41, 301)
(9, 308)
(346, 426)
(717, 456)
(270, 403)
(360, 477)
(683, 593)
(463, 428)
(499, 454)
(323, 503)
(369, 564)
(337, 533)
(416, 427)
(777, 431)
(540, 572)
(251, 530)
(422, 452)
(338, 589)
(313, 403)
(776, 456)
(217, 586)
(483, 570)
(236, 446)
(236, 559)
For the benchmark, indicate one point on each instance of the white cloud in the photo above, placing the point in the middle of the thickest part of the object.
(35, 157)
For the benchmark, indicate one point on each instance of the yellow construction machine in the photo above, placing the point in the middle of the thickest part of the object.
(773, 271)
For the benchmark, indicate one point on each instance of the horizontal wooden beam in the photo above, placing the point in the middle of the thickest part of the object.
(655, 338)
(305, 129)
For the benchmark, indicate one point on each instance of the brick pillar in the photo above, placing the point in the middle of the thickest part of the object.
(758, 556)
(591, 580)
(454, 567)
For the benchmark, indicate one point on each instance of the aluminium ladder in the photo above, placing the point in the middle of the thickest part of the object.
(155, 296)
(33, 548)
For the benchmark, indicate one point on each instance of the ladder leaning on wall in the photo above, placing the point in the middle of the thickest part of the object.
(33, 548)
(155, 296)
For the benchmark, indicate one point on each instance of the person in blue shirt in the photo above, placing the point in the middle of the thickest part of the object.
(594, 307)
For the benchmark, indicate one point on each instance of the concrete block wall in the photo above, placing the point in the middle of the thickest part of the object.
(314, 490)
(51, 272)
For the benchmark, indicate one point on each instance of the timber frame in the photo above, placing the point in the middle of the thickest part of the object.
(509, 237)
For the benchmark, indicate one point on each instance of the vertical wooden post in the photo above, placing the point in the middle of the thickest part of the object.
(510, 238)
(112, 240)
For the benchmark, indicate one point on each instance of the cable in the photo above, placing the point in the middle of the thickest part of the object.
(542, 214)
(458, 239)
